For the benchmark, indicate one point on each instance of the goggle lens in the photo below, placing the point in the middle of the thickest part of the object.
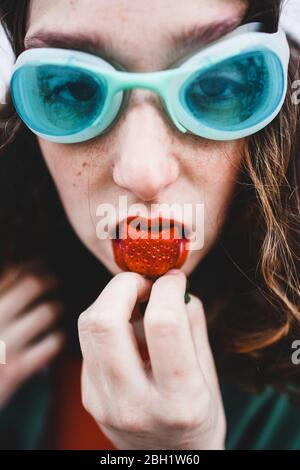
(235, 93)
(58, 100)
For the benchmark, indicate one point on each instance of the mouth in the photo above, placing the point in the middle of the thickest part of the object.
(150, 247)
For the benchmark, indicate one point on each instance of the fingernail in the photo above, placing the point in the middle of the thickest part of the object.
(174, 271)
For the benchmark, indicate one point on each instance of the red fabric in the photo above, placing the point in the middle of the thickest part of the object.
(72, 427)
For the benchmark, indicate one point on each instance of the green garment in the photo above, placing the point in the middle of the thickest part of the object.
(256, 422)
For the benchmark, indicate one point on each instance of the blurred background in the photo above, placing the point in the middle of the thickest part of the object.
(290, 18)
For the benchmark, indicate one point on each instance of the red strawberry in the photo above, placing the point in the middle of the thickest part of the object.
(149, 247)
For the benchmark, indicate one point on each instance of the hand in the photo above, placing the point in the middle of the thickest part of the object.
(22, 320)
(172, 403)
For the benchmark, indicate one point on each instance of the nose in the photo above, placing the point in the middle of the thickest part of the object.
(145, 163)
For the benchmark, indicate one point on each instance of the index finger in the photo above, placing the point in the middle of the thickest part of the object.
(107, 338)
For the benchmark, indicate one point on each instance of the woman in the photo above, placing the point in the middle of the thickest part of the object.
(151, 381)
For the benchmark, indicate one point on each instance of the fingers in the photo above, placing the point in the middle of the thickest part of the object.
(29, 326)
(106, 336)
(170, 344)
(117, 390)
(39, 355)
(197, 321)
(27, 363)
(8, 277)
(20, 295)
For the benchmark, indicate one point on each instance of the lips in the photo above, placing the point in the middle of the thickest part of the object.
(150, 247)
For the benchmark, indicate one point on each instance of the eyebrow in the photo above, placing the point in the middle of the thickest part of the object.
(184, 41)
(202, 34)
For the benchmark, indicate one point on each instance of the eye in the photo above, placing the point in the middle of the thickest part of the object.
(68, 86)
(230, 92)
(73, 91)
(216, 87)
(68, 97)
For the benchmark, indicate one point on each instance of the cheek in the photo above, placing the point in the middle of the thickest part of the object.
(223, 173)
(79, 172)
(215, 174)
(69, 169)
(217, 165)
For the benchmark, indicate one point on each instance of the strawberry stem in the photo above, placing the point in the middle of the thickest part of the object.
(187, 296)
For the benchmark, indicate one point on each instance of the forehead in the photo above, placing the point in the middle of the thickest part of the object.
(131, 27)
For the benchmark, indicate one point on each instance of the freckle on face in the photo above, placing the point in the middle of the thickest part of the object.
(83, 173)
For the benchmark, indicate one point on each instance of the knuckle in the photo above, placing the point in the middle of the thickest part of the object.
(186, 413)
(184, 418)
(103, 324)
(96, 323)
(164, 323)
(83, 321)
(130, 421)
(129, 416)
(115, 372)
(93, 410)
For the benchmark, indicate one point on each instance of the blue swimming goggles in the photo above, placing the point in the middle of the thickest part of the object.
(228, 90)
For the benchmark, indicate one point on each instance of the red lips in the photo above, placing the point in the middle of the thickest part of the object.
(150, 247)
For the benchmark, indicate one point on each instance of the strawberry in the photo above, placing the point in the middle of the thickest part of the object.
(150, 248)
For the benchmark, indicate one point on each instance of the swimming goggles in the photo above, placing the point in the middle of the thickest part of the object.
(227, 90)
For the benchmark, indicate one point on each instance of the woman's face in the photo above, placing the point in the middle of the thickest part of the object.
(143, 156)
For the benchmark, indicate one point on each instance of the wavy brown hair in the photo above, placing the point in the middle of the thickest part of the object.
(249, 282)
